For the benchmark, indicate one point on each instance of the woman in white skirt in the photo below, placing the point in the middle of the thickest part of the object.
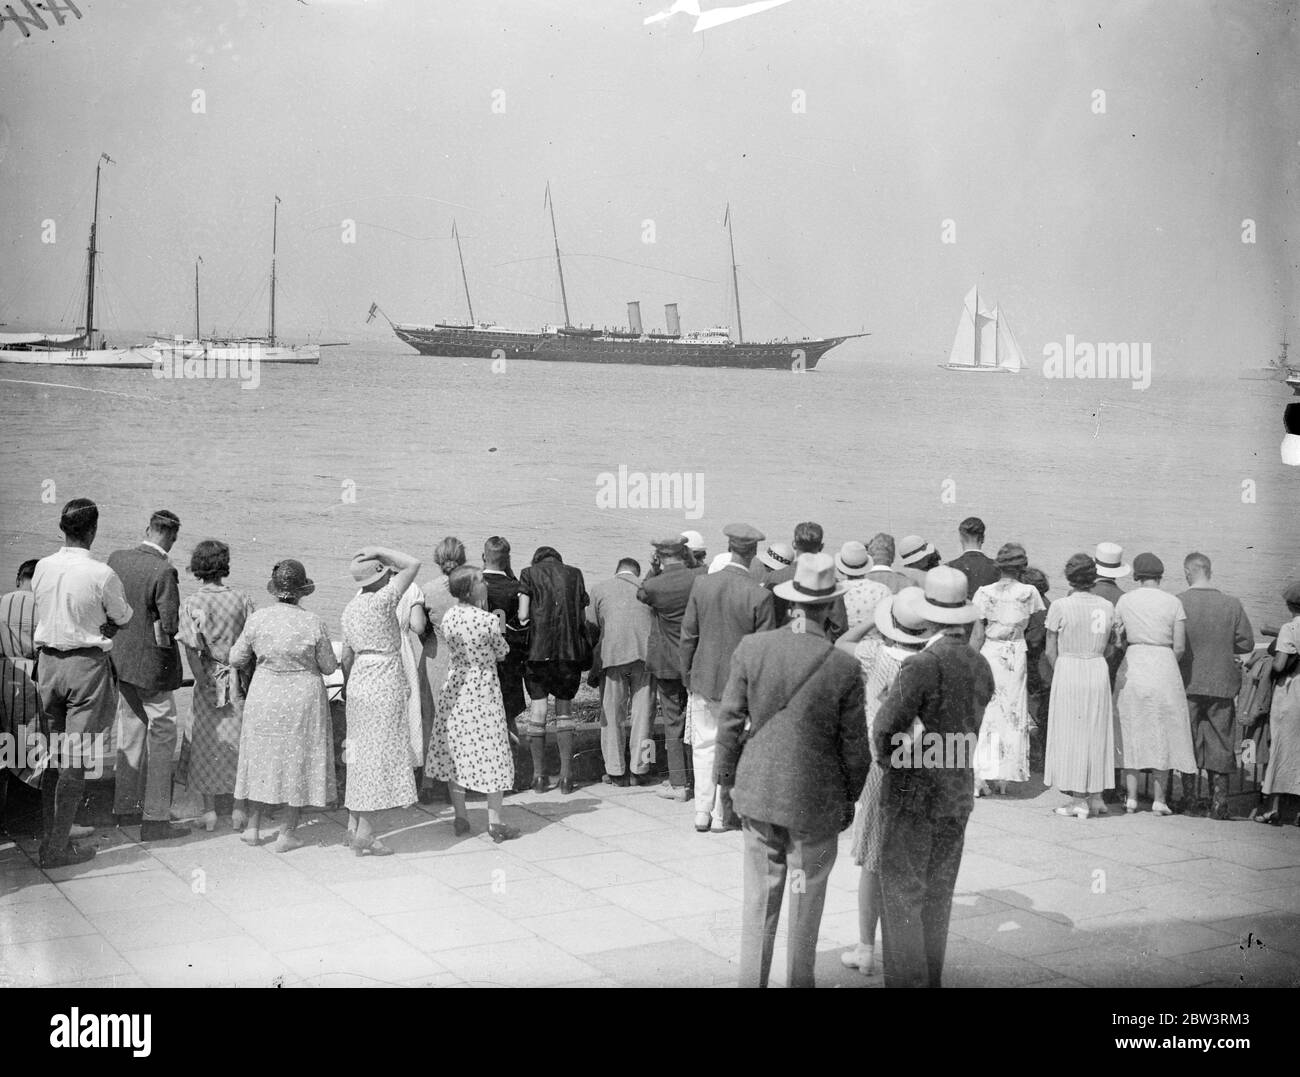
(1005, 608)
(1152, 728)
(896, 630)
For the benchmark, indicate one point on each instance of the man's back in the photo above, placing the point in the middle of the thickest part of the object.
(503, 595)
(806, 753)
(980, 569)
(625, 623)
(17, 625)
(666, 594)
(1217, 629)
(722, 609)
(946, 686)
(152, 590)
(73, 593)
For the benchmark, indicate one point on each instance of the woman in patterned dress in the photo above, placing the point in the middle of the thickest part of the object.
(378, 693)
(1283, 773)
(286, 749)
(1152, 729)
(1080, 757)
(448, 555)
(470, 747)
(211, 620)
(852, 564)
(896, 631)
(1005, 609)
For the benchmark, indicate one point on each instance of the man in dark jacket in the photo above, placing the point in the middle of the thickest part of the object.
(503, 600)
(925, 733)
(148, 665)
(723, 608)
(666, 593)
(792, 741)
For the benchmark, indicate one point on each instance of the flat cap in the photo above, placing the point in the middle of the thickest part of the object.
(672, 545)
(744, 533)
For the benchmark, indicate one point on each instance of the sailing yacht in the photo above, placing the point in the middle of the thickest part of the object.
(984, 342)
(265, 349)
(86, 348)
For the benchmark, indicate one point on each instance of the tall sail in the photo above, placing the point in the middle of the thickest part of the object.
(1009, 355)
(986, 337)
(963, 345)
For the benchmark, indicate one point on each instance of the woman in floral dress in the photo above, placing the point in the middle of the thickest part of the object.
(448, 555)
(896, 630)
(1005, 609)
(378, 748)
(470, 747)
(211, 620)
(286, 749)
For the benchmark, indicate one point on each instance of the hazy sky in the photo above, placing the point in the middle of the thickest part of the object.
(1125, 225)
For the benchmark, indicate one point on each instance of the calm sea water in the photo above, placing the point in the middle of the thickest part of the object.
(377, 445)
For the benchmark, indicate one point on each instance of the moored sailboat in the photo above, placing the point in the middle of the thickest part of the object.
(984, 342)
(265, 349)
(86, 348)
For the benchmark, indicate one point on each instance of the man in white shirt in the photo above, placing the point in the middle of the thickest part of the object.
(80, 604)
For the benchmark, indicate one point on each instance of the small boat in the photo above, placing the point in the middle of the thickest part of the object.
(984, 343)
(265, 349)
(1278, 370)
(86, 348)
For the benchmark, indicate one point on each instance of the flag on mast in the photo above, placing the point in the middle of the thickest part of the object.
(374, 309)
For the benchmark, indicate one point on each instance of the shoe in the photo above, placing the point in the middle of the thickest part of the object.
(238, 819)
(80, 831)
(615, 779)
(1131, 807)
(1160, 808)
(1079, 811)
(981, 790)
(1272, 818)
(208, 820)
(134, 818)
(161, 830)
(722, 826)
(371, 846)
(639, 779)
(672, 792)
(567, 786)
(540, 784)
(703, 822)
(861, 957)
(500, 832)
(1002, 789)
(72, 854)
(287, 842)
(460, 825)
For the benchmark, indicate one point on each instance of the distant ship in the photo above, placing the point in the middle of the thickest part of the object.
(85, 348)
(1278, 370)
(984, 343)
(265, 349)
(575, 344)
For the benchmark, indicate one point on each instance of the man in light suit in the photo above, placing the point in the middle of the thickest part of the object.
(148, 665)
(723, 608)
(798, 769)
(627, 696)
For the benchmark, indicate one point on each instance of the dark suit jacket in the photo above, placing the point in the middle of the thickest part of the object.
(980, 570)
(947, 686)
(153, 591)
(804, 761)
(666, 594)
(722, 609)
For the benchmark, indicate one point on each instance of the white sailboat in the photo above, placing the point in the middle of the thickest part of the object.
(265, 349)
(984, 342)
(86, 348)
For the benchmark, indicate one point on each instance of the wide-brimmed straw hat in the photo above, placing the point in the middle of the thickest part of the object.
(902, 616)
(289, 580)
(912, 550)
(945, 598)
(777, 555)
(814, 580)
(367, 570)
(853, 560)
(1110, 561)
